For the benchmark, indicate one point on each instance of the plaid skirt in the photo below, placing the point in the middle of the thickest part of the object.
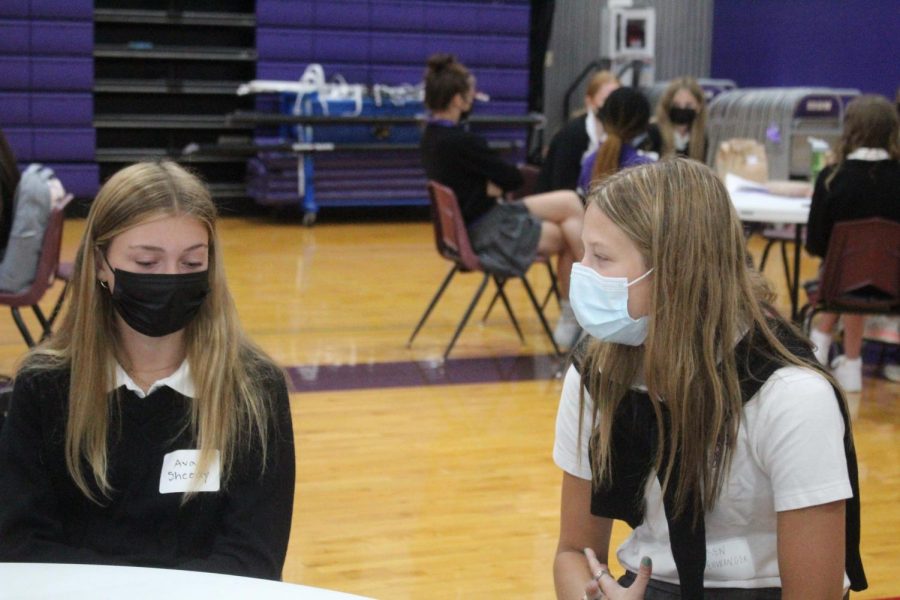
(506, 239)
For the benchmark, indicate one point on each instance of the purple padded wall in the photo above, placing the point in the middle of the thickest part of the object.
(388, 42)
(14, 8)
(46, 85)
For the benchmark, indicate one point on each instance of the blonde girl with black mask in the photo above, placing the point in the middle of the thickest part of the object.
(694, 413)
(680, 126)
(149, 430)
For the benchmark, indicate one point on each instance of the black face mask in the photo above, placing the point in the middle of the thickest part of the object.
(157, 305)
(682, 116)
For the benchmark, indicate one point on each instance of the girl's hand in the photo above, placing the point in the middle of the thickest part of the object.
(604, 585)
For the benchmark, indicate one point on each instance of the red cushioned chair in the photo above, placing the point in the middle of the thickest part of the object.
(47, 271)
(452, 242)
(860, 273)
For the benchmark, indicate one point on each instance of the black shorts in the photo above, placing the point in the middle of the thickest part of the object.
(506, 239)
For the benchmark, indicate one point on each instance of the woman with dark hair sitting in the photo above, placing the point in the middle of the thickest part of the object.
(624, 116)
(545, 223)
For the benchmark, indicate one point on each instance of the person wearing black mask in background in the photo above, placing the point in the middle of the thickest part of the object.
(680, 127)
(149, 430)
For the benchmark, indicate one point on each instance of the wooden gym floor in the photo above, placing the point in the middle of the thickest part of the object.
(422, 479)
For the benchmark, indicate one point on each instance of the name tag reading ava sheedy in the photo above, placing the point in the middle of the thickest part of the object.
(180, 473)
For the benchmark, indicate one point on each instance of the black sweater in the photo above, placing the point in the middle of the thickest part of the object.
(242, 529)
(463, 162)
(562, 165)
(861, 189)
(653, 143)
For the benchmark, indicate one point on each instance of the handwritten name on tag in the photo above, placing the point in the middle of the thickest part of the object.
(730, 559)
(181, 473)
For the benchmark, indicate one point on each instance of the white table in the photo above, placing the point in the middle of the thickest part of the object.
(32, 581)
(754, 204)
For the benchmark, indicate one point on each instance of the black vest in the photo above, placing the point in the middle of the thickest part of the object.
(634, 438)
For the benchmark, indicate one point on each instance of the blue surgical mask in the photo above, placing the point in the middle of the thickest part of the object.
(601, 306)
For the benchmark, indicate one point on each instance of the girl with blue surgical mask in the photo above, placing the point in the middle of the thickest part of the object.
(695, 413)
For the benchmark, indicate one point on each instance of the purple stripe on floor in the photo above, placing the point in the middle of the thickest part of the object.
(319, 378)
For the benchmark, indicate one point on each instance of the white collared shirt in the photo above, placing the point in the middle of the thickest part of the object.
(180, 381)
(681, 140)
(596, 135)
(869, 154)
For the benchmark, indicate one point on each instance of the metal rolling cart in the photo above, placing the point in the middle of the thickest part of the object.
(782, 119)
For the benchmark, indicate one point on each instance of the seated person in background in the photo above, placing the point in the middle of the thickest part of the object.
(9, 181)
(505, 235)
(863, 183)
(149, 430)
(624, 116)
(578, 138)
(694, 413)
(680, 127)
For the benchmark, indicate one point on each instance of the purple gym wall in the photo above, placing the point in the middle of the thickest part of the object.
(46, 81)
(387, 41)
(832, 43)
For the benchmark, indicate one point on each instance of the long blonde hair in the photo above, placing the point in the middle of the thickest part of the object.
(704, 298)
(698, 127)
(230, 410)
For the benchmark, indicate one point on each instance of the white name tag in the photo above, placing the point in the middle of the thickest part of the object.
(180, 473)
(730, 559)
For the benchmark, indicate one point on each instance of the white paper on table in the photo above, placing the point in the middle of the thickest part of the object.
(738, 185)
(735, 183)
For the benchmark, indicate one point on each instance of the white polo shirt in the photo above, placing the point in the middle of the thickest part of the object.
(789, 454)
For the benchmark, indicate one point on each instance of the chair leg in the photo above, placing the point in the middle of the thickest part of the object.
(490, 307)
(59, 304)
(432, 304)
(806, 317)
(512, 317)
(46, 325)
(540, 313)
(466, 316)
(554, 286)
(552, 291)
(23, 329)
